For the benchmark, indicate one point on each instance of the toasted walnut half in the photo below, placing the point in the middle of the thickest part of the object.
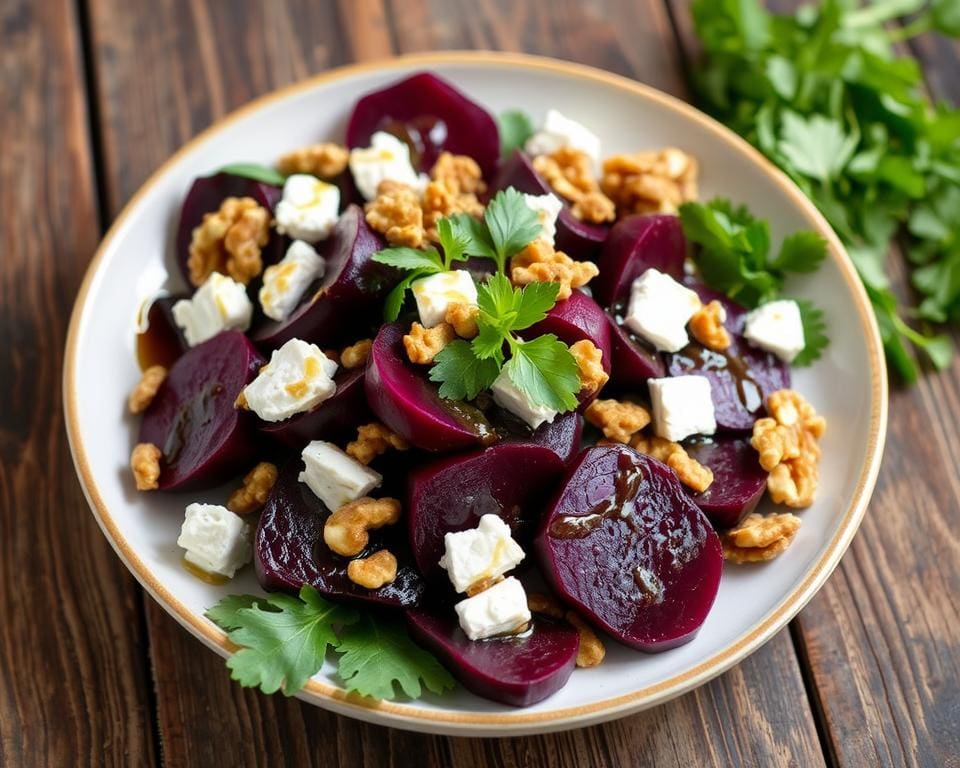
(690, 471)
(374, 439)
(229, 241)
(706, 325)
(546, 605)
(375, 571)
(146, 389)
(758, 538)
(322, 160)
(540, 263)
(590, 366)
(356, 354)
(618, 419)
(252, 495)
(591, 650)
(463, 318)
(650, 182)
(145, 465)
(396, 214)
(568, 172)
(424, 344)
(346, 531)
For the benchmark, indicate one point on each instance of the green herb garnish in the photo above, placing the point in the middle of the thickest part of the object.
(257, 172)
(515, 128)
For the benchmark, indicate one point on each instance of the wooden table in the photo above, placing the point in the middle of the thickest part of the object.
(94, 95)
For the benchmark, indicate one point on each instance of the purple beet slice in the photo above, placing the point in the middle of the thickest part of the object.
(347, 297)
(626, 546)
(578, 239)
(206, 195)
(562, 435)
(738, 479)
(431, 116)
(333, 419)
(519, 671)
(407, 402)
(162, 342)
(634, 360)
(204, 439)
(452, 494)
(289, 550)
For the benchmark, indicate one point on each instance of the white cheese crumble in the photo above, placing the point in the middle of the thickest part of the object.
(335, 477)
(435, 293)
(387, 158)
(220, 304)
(508, 396)
(499, 610)
(561, 131)
(216, 540)
(285, 283)
(660, 309)
(484, 552)
(778, 328)
(308, 209)
(547, 207)
(297, 378)
(682, 406)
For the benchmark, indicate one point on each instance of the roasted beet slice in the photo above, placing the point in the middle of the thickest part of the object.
(452, 494)
(203, 437)
(431, 116)
(407, 402)
(205, 196)
(626, 546)
(347, 299)
(738, 479)
(519, 671)
(332, 420)
(562, 435)
(578, 239)
(161, 341)
(289, 550)
(634, 361)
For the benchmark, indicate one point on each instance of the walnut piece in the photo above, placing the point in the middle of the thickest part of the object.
(706, 325)
(424, 344)
(458, 173)
(758, 538)
(356, 354)
(545, 605)
(374, 439)
(618, 419)
(463, 318)
(252, 495)
(321, 160)
(540, 263)
(691, 472)
(479, 586)
(229, 241)
(568, 172)
(455, 182)
(375, 571)
(145, 465)
(590, 364)
(650, 182)
(346, 530)
(396, 214)
(146, 389)
(591, 650)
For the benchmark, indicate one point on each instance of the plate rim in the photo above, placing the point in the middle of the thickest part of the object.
(475, 723)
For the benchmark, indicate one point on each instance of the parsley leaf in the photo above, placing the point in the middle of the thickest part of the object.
(394, 301)
(814, 333)
(410, 258)
(817, 147)
(454, 240)
(545, 371)
(462, 375)
(255, 171)
(515, 127)
(803, 251)
(536, 299)
(511, 224)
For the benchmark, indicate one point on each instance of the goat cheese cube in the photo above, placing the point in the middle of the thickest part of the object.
(560, 131)
(285, 283)
(221, 303)
(508, 396)
(682, 406)
(335, 477)
(501, 609)
(547, 207)
(776, 327)
(387, 158)
(660, 309)
(216, 540)
(484, 552)
(308, 209)
(435, 293)
(297, 378)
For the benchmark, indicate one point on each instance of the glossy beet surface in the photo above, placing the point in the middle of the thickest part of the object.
(453, 493)
(206, 195)
(334, 419)
(738, 479)
(431, 116)
(347, 298)
(161, 342)
(519, 671)
(289, 550)
(404, 399)
(625, 544)
(192, 419)
(578, 239)
(562, 435)
(634, 361)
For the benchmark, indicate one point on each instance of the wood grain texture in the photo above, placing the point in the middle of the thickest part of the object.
(73, 685)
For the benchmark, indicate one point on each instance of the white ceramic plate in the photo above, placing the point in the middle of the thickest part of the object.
(848, 385)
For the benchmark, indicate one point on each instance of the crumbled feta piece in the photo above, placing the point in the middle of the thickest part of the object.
(216, 540)
(499, 610)
(221, 303)
(285, 283)
(560, 131)
(660, 309)
(484, 552)
(386, 158)
(297, 378)
(682, 406)
(335, 477)
(508, 396)
(436, 292)
(777, 327)
(547, 207)
(308, 209)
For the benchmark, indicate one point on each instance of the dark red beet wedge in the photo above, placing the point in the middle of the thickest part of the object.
(289, 550)
(204, 439)
(347, 298)
(519, 671)
(431, 116)
(738, 479)
(634, 360)
(562, 435)
(162, 342)
(453, 493)
(406, 401)
(627, 547)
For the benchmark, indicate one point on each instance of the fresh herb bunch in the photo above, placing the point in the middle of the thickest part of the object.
(824, 97)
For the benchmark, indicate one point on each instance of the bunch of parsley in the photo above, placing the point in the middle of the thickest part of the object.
(824, 97)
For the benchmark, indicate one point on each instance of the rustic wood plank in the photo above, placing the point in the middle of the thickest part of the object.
(72, 660)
